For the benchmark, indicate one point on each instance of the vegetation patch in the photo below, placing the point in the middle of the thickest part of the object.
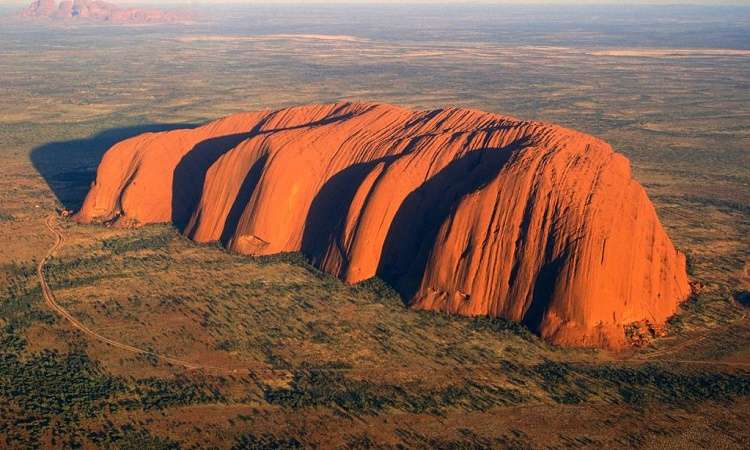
(638, 385)
(467, 439)
(333, 389)
(141, 241)
(265, 441)
(128, 438)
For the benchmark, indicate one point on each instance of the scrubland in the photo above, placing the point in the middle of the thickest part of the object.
(291, 357)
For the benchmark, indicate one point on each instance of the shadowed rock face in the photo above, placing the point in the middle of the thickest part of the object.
(98, 10)
(462, 211)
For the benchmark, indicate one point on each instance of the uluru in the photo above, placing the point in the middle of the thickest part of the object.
(99, 11)
(461, 211)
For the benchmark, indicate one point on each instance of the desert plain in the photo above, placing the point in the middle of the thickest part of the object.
(278, 354)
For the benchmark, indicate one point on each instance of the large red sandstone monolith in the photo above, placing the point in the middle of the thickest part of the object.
(462, 211)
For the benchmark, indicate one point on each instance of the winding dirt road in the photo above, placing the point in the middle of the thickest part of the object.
(49, 299)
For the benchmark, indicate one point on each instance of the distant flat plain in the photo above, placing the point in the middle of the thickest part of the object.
(342, 366)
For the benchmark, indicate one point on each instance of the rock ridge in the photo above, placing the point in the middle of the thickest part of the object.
(99, 11)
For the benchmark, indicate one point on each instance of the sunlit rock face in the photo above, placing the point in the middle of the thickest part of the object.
(98, 10)
(460, 210)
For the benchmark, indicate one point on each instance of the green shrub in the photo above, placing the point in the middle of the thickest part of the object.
(264, 442)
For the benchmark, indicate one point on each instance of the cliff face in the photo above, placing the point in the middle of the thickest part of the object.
(39, 8)
(98, 10)
(460, 210)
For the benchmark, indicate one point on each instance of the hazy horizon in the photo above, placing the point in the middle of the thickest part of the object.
(397, 2)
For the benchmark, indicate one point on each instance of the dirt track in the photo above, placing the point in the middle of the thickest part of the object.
(49, 299)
